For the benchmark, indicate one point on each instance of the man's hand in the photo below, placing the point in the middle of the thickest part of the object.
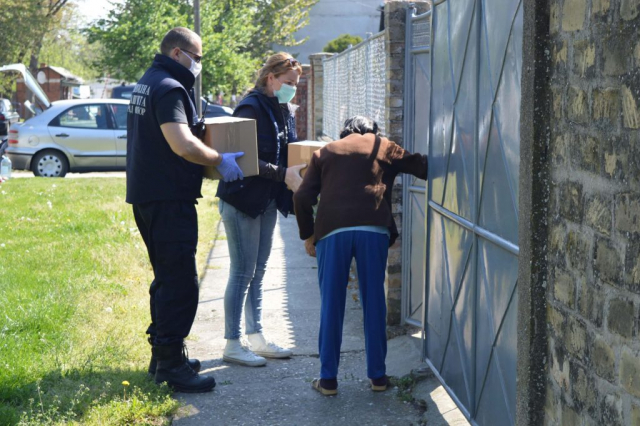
(292, 177)
(309, 247)
(228, 168)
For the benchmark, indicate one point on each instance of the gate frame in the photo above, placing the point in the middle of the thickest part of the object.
(409, 144)
(535, 107)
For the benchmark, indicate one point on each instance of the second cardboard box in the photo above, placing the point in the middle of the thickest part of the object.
(301, 153)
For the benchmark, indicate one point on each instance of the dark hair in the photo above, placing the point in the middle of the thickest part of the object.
(359, 124)
(180, 37)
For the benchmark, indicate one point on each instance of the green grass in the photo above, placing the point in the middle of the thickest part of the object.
(74, 276)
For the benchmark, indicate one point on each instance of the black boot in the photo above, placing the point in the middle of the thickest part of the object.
(193, 363)
(174, 369)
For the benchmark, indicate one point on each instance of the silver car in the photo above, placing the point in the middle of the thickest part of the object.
(78, 135)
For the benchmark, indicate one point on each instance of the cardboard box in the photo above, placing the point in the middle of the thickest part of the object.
(232, 134)
(301, 152)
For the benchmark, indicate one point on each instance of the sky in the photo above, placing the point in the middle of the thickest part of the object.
(94, 9)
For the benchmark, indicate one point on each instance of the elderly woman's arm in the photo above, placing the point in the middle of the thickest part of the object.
(306, 197)
(405, 162)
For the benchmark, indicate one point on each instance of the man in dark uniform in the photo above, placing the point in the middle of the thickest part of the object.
(164, 178)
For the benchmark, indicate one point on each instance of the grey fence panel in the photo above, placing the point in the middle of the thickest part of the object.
(355, 84)
(472, 203)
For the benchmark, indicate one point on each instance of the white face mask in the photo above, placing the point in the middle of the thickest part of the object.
(195, 67)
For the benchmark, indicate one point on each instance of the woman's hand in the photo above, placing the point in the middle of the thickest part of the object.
(292, 177)
(309, 247)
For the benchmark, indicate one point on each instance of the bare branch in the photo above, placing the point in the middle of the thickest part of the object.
(55, 6)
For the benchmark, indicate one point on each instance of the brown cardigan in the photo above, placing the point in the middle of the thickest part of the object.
(354, 178)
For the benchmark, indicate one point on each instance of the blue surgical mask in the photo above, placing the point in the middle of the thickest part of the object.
(285, 94)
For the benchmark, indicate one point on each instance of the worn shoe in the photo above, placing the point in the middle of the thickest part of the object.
(153, 363)
(173, 369)
(379, 385)
(262, 347)
(238, 353)
(327, 387)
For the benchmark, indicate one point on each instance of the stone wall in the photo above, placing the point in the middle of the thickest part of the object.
(593, 244)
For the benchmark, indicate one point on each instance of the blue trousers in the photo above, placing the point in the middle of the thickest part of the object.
(335, 253)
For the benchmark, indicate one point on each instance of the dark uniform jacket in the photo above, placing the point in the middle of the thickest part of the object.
(154, 171)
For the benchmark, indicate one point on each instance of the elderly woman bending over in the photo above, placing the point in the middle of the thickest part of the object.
(354, 178)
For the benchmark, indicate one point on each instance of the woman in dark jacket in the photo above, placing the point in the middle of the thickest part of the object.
(249, 208)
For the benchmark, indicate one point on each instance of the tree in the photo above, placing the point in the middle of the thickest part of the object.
(237, 36)
(276, 22)
(131, 34)
(227, 28)
(68, 47)
(23, 26)
(48, 13)
(342, 43)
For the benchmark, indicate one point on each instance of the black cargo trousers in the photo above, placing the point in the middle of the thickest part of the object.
(170, 231)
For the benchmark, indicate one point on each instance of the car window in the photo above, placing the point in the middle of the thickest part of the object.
(120, 113)
(84, 117)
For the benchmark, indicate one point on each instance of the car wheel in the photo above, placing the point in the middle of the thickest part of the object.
(50, 164)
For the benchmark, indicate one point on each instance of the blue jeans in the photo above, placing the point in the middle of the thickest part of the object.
(334, 253)
(249, 242)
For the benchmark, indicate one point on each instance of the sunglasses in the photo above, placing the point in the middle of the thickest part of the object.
(196, 58)
(293, 62)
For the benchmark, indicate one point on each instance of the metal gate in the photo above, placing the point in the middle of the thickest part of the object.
(465, 107)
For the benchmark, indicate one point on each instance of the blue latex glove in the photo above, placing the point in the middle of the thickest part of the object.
(229, 168)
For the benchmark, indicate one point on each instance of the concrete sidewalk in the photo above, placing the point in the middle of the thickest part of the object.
(280, 393)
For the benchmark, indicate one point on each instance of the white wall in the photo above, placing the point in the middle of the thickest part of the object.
(330, 18)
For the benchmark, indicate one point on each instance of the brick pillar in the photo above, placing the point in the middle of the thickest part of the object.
(317, 82)
(302, 100)
(309, 126)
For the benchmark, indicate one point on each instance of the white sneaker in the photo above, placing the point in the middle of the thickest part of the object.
(237, 353)
(267, 349)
